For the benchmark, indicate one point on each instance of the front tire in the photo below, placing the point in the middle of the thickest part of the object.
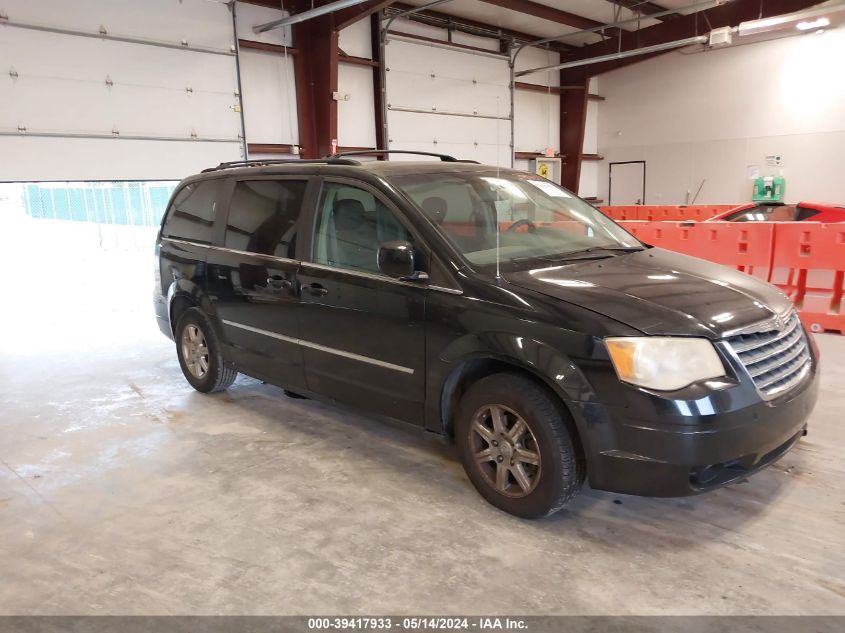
(516, 446)
(198, 349)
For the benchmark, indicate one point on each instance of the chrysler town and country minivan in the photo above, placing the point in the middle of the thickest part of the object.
(491, 307)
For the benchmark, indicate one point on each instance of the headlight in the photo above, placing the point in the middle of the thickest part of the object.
(664, 363)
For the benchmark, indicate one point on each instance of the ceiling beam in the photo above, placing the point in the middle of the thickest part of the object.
(699, 23)
(645, 8)
(438, 18)
(545, 12)
(347, 17)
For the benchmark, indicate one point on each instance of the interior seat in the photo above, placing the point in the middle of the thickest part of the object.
(356, 236)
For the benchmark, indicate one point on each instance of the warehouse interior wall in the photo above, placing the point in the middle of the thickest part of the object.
(267, 79)
(714, 117)
(356, 125)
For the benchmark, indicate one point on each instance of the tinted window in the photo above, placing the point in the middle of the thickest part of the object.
(805, 213)
(764, 213)
(263, 215)
(351, 225)
(191, 215)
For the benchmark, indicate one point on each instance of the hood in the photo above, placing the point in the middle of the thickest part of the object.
(660, 292)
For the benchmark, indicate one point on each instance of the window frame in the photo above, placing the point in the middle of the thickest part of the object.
(308, 244)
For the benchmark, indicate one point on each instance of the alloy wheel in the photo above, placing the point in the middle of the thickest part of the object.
(195, 351)
(505, 450)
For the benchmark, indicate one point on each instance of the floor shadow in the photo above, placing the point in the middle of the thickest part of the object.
(593, 514)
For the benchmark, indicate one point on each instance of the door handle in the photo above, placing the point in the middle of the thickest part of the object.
(315, 289)
(278, 282)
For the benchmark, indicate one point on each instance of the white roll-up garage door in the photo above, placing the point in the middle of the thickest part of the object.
(447, 100)
(116, 89)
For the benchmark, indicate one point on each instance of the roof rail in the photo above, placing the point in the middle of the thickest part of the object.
(378, 152)
(331, 160)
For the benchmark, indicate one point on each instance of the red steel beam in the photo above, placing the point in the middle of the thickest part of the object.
(378, 84)
(729, 14)
(573, 121)
(315, 69)
(347, 17)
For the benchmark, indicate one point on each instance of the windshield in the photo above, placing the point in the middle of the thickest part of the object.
(536, 219)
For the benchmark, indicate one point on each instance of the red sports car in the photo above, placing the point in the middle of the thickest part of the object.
(781, 212)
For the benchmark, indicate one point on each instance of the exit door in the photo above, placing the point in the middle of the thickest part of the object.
(627, 183)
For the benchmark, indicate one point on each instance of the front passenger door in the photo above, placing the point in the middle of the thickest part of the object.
(363, 334)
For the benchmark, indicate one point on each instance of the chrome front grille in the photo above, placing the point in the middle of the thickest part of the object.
(777, 360)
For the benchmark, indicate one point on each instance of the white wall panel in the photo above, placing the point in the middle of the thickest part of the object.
(531, 57)
(703, 117)
(269, 98)
(355, 118)
(588, 183)
(250, 15)
(435, 79)
(537, 115)
(355, 39)
(537, 121)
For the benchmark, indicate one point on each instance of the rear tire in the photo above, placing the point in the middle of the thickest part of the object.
(516, 446)
(198, 349)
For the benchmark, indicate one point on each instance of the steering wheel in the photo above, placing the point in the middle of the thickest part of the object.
(520, 223)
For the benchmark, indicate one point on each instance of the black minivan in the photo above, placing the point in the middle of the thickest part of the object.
(489, 306)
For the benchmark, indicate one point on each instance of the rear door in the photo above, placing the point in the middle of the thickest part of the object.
(252, 277)
(363, 333)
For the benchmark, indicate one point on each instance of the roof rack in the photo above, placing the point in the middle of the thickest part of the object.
(372, 152)
(330, 160)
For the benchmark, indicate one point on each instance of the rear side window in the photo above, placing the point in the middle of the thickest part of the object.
(191, 215)
(263, 216)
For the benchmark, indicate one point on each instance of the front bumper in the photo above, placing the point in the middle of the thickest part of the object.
(649, 445)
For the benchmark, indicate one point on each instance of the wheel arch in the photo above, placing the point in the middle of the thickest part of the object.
(544, 365)
(184, 294)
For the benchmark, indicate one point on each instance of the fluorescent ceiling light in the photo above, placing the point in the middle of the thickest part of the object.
(814, 18)
(815, 24)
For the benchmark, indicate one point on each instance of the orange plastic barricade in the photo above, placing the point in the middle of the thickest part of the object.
(665, 213)
(641, 230)
(808, 264)
(620, 213)
(744, 246)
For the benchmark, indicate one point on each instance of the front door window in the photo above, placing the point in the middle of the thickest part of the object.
(351, 225)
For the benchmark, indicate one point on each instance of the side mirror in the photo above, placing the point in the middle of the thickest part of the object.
(397, 259)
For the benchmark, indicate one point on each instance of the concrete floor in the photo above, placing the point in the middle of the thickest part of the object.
(122, 491)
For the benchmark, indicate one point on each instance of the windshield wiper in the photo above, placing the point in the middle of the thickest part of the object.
(593, 252)
(597, 252)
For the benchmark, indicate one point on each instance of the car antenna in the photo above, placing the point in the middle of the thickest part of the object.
(496, 206)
